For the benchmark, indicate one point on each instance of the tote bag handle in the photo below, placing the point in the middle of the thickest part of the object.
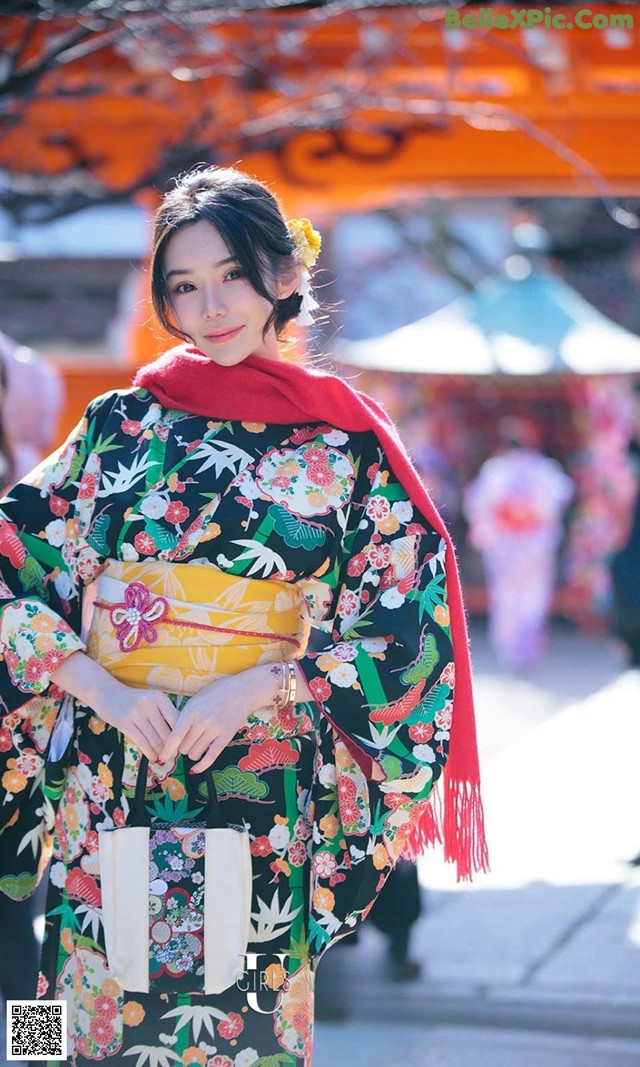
(139, 816)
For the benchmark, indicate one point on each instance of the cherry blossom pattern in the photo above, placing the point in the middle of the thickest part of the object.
(73, 818)
(94, 1019)
(33, 648)
(293, 1019)
(311, 480)
(322, 837)
(353, 794)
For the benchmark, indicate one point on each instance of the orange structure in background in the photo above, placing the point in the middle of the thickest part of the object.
(83, 382)
(339, 111)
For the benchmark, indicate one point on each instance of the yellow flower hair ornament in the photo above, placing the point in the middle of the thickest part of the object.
(307, 240)
(308, 243)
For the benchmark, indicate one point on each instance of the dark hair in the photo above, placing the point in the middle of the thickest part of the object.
(515, 431)
(249, 219)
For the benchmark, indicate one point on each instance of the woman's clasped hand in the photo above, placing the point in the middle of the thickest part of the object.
(200, 730)
(210, 718)
(146, 716)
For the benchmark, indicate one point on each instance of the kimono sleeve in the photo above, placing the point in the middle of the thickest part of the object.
(49, 548)
(383, 685)
(384, 678)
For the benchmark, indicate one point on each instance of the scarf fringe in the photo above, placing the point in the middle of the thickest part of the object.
(458, 822)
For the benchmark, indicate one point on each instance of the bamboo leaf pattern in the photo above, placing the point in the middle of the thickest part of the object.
(117, 483)
(272, 920)
(265, 559)
(327, 517)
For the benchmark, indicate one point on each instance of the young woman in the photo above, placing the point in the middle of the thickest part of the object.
(212, 514)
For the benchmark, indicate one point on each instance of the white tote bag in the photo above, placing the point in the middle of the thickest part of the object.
(176, 900)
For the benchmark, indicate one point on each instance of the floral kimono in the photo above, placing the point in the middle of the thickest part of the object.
(515, 508)
(306, 504)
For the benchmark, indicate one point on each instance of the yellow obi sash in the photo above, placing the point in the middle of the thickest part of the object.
(179, 626)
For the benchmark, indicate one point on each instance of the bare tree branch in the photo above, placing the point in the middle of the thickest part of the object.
(20, 86)
(265, 87)
(13, 56)
(441, 245)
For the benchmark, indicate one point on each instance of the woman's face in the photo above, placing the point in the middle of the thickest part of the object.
(213, 301)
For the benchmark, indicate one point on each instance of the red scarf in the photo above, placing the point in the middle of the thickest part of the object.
(274, 391)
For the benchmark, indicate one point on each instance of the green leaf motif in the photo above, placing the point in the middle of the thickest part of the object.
(97, 538)
(164, 539)
(31, 576)
(86, 942)
(43, 551)
(76, 468)
(91, 429)
(318, 936)
(299, 948)
(54, 789)
(432, 596)
(294, 532)
(68, 915)
(239, 783)
(167, 810)
(426, 710)
(18, 886)
(391, 766)
(425, 664)
(106, 445)
(379, 821)
(354, 632)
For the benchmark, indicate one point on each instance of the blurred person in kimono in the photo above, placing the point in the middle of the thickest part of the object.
(515, 508)
(227, 502)
(32, 395)
(30, 401)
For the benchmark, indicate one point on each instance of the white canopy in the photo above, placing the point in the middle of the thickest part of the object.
(536, 324)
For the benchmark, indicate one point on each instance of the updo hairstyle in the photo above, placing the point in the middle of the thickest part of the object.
(249, 219)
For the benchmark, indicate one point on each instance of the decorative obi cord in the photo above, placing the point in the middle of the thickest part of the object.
(179, 626)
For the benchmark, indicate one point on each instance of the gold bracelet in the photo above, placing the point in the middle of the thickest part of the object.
(293, 684)
(286, 692)
(286, 696)
(282, 695)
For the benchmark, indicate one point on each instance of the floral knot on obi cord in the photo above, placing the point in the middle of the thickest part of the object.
(133, 617)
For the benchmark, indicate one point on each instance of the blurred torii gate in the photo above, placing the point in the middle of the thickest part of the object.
(341, 107)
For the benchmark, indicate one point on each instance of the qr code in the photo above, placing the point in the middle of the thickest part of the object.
(36, 1030)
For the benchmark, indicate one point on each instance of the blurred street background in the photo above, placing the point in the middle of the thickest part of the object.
(539, 962)
(478, 193)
